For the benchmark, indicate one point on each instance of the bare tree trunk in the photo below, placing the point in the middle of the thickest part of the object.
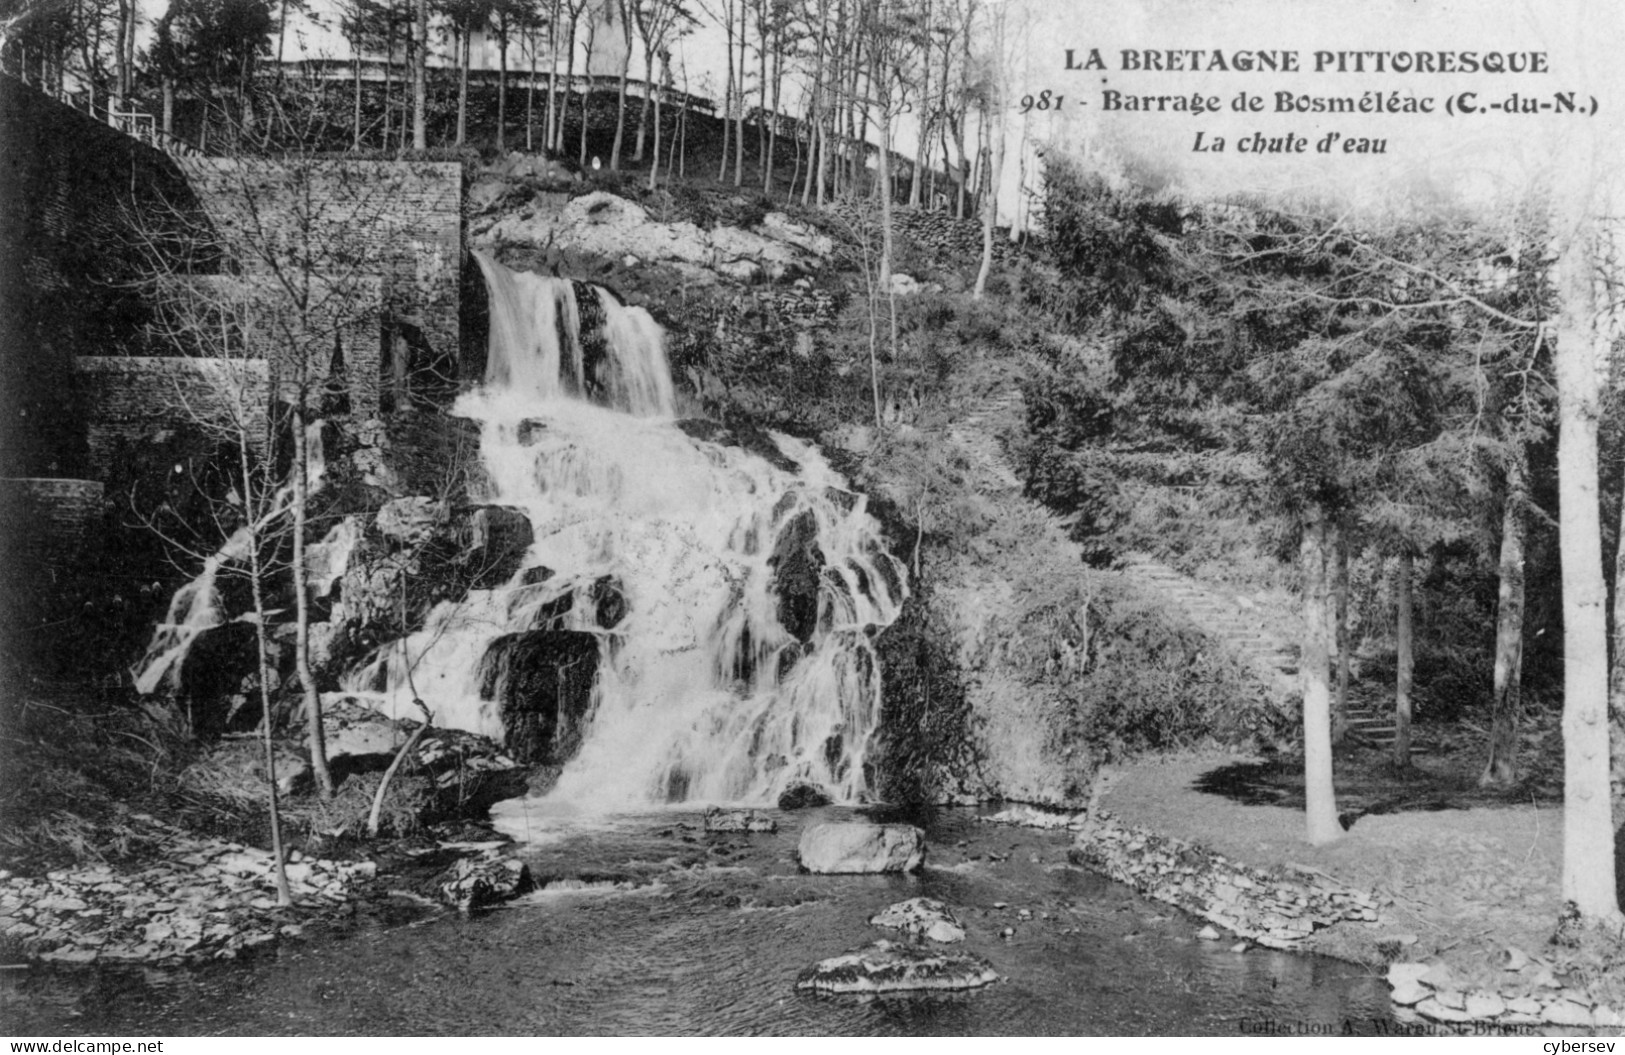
(279, 870)
(552, 138)
(990, 212)
(1405, 656)
(884, 175)
(125, 28)
(643, 111)
(620, 102)
(530, 99)
(795, 169)
(654, 157)
(1322, 825)
(586, 90)
(1588, 831)
(1502, 766)
(569, 82)
(962, 177)
(502, 85)
(920, 149)
(682, 130)
(728, 87)
(761, 76)
(773, 130)
(301, 596)
(739, 95)
(1340, 593)
(420, 81)
(464, 51)
(355, 138)
(389, 71)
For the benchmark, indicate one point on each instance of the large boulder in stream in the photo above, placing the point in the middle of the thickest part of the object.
(718, 819)
(923, 916)
(542, 681)
(474, 883)
(803, 795)
(859, 847)
(889, 967)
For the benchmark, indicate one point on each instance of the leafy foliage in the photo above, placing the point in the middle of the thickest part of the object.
(1230, 366)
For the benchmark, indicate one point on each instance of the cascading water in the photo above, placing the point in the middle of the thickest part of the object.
(703, 692)
(196, 606)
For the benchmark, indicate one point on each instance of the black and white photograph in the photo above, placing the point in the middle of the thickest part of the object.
(806, 518)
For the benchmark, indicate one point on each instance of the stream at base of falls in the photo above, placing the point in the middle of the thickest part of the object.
(649, 925)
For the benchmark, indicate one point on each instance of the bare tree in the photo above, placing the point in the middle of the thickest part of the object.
(1588, 829)
(302, 246)
(999, 60)
(622, 10)
(420, 79)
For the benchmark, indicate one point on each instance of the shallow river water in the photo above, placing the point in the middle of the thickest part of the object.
(648, 925)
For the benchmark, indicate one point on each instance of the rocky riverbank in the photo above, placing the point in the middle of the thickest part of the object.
(160, 894)
(1441, 971)
(201, 899)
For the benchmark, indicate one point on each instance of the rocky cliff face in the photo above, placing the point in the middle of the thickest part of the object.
(977, 665)
(975, 675)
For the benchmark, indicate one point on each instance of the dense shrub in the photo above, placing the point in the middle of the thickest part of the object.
(924, 750)
(1154, 682)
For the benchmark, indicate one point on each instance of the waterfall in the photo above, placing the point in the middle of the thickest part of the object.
(194, 609)
(702, 691)
(196, 606)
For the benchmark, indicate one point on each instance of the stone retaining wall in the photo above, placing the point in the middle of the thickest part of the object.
(1274, 909)
(1280, 910)
(1529, 996)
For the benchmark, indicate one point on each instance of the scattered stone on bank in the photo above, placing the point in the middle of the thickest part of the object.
(207, 899)
(923, 916)
(886, 967)
(855, 846)
(472, 883)
(1433, 992)
(1276, 910)
(1024, 816)
(802, 795)
(718, 819)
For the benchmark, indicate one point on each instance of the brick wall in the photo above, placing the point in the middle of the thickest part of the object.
(337, 325)
(70, 189)
(128, 401)
(49, 520)
(398, 220)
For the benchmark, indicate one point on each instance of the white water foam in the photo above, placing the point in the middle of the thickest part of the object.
(701, 694)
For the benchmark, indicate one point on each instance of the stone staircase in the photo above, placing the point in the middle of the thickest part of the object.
(1373, 728)
(1251, 631)
(1260, 637)
(1260, 631)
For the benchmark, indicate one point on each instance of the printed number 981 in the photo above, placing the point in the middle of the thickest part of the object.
(1044, 100)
